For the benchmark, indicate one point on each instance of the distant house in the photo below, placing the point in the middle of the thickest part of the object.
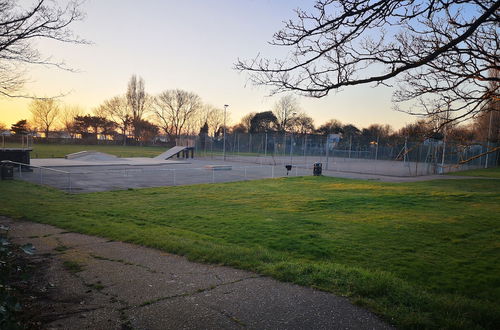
(5, 133)
(59, 135)
(161, 138)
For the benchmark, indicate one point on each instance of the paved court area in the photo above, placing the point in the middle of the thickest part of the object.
(78, 177)
(125, 286)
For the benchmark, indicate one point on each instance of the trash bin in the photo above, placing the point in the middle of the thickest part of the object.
(7, 172)
(317, 169)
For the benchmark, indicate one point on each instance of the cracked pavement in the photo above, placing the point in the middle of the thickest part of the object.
(94, 283)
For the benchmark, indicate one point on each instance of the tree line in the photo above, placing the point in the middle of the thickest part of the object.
(137, 116)
(132, 116)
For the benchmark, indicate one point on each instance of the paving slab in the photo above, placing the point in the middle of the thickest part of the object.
(124, 286)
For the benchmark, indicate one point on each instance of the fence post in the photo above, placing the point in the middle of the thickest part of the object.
(250, 143)
(69, 182)
(272, 171)
(41, 179)
(245, 172)
(265, 147)
(173, 171)
(213, 175)
(327, 149)
(350, 145)
(305, 150)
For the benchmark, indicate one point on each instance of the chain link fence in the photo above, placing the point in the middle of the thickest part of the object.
(399, 157)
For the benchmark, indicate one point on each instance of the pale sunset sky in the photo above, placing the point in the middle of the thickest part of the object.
(191, 45)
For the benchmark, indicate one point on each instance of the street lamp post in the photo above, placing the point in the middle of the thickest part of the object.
(224, 134)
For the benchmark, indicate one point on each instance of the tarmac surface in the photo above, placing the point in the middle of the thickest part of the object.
(124, 286)
(78, 176)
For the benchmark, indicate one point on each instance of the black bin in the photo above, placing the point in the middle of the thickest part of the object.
(7, 172)
(317, 169)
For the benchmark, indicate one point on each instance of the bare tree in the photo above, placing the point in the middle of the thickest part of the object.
(67, 118)
(174, 108)
(284, 109)
(117, 109)
(246, 121)
(214, 117)
(44, 114)
(136, 98)
(333, 126)
(301, 124)
(19, 28)
(438, 51)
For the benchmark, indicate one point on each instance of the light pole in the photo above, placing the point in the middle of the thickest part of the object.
(224, 134)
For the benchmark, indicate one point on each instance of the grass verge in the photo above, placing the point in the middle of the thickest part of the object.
(482, 172)
(421, 255)
(61, 150)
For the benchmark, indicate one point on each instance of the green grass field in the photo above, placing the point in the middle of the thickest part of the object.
(61, 150)
(484, 172)
(421, 255)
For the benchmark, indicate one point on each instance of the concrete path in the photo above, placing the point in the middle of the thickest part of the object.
(124, 286)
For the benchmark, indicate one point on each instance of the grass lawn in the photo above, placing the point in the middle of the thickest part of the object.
(61, 150)
(482, 172)
(421, 255)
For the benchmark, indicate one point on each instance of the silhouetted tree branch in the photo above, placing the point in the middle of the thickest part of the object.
(19, 27)
(439, 52)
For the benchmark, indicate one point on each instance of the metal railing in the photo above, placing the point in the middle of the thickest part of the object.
(23, 166)
(81, 179)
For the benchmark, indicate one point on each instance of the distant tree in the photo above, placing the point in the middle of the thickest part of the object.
(117, 109)
(44, 114)
(377, 132)
(67, 118)
(3, 127)
(136, 99)
(204, 130)
(333, 126)
(203, 134)
(20, 28)
(416, 131)
(487, 125)
(301, 124)
(350, 130)
(148, 131)
(174, 108)
(462, 134)
(284, 110)
(20, 128)
(245, 122)
(239, 128)
(213, 116)
(90, 126)
(108, 128)
(487, 122)
(263, 121)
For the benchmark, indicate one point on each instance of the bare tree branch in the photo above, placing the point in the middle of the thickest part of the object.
(439, 52)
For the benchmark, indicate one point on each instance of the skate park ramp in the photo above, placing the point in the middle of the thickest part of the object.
(170, 153)
(91, 156)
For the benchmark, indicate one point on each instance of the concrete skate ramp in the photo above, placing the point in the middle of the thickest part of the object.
(91, 156)
(170, 153)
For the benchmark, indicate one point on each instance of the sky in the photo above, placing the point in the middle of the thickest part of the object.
(190, 45)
